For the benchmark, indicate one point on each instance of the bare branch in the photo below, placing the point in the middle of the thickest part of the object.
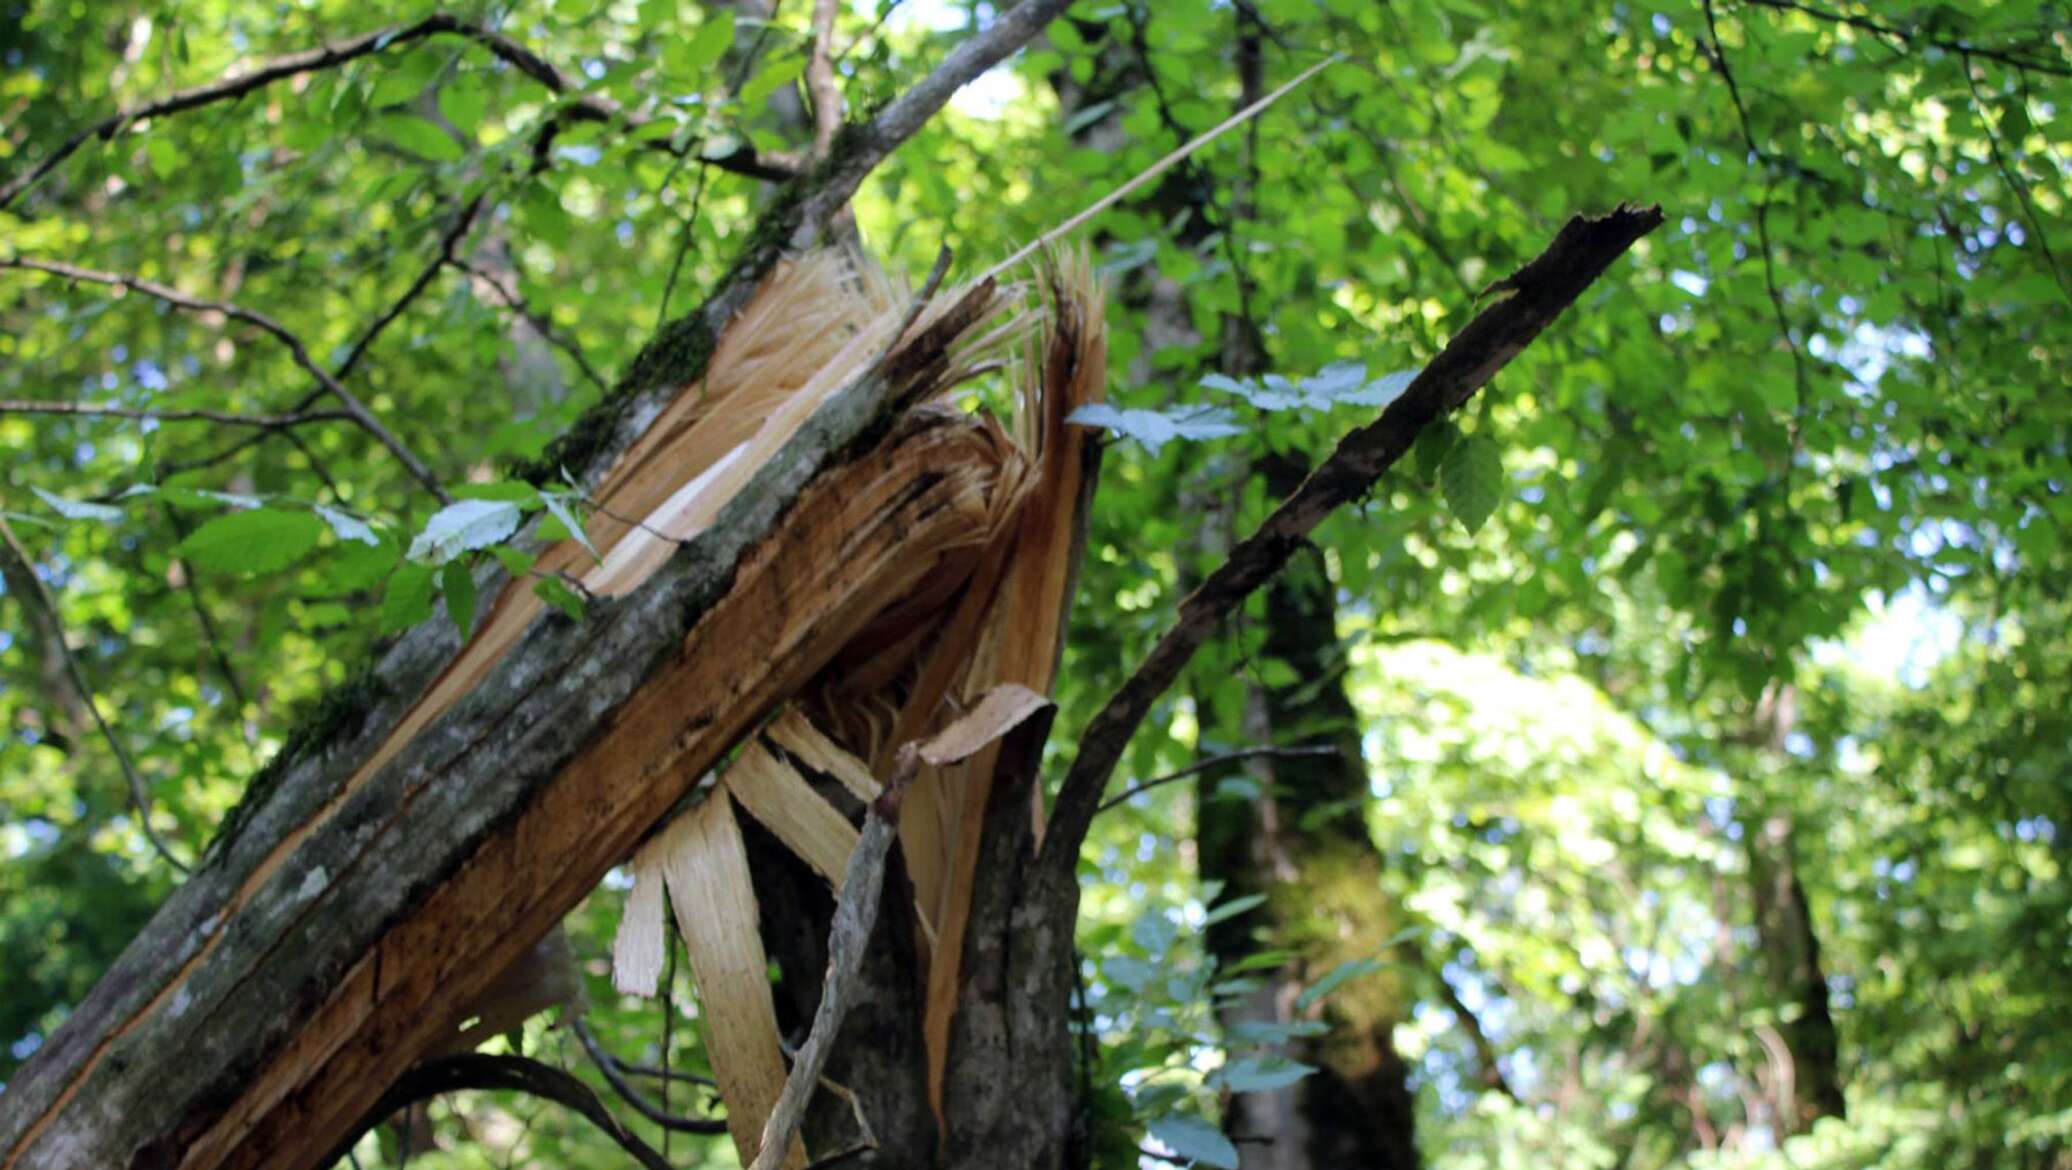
(1537, 294)
(517, 303)
(2005, 55)
(587, 108)
(1206, 763)
(820, 79)
(179, 300)
(904, 115)
(476, 1070)
(20, 573)
(448, 242)
(267, 422)
(614, 1074)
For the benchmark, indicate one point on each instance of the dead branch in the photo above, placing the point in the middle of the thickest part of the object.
(856, 914)
(614, 1071)
(279, 332)
(820, 79)
(1537, 294)
(477, 1070)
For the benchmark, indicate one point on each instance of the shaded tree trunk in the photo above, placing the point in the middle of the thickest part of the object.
(1807, 1085)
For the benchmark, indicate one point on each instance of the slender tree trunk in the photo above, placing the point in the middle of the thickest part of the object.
(1808, 1084)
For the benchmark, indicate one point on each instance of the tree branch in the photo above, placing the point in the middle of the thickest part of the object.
(356, 409)
(517, 303)
(476, 1070)
(856, 915)
(264, 422)
(1537, 294)
(587, 108)
(2006, 56)
(820, 79)
(613, 1075)
(1206, 763)
(20, 573)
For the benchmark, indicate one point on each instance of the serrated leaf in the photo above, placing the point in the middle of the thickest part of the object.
(557, 507)
(1336, 978)
(1471, 478)
(464, 526)
(1335, 381)
(261, 540)
(408, 598)
(1431, 447)
(1195, 1140)
(1155, 428)
(1253, 1075)
(78, 509)
(459, 587)
(1381, 391)
(346, 526)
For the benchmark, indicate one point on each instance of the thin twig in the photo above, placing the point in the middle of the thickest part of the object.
(856, 914)
(478, 1070)
(1539, 293)
(540, 324)
(2015, 184)
(43, 616)
(210, 636)
(1718, 57)
(2006, 56)
(279, 332)
(609, 1066)
(1204, 765)
(270, 422)
(586, 108)
(448, 242)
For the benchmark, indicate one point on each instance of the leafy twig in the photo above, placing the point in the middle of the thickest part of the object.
(43, 616)
(613, 1075)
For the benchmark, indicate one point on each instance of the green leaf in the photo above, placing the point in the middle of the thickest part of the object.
(408, 599)
(1336, 978)
(559, 594)
(516, 563)
(773, 77)
(261, 540)
(1431, 447)
(706, 46)
(346, 526)
(464, 100)
(78, 509)
(1471, 477)
(459, 587)
(420, 137)
(1232, 909)
(557, 507)
(1195, 1140)
(1259, 1075)
(464, 526)
(1155, 428)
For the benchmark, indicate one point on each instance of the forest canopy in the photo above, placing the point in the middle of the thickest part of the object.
(1667, 763)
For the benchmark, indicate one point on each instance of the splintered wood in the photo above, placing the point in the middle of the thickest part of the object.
(952, 658)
